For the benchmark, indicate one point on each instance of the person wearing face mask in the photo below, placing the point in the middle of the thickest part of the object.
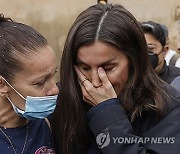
(111, 99)
(172, 57)
(28, 91)
(156, 43)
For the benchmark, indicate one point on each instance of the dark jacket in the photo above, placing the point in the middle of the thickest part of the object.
(115, 134)
(169, 73)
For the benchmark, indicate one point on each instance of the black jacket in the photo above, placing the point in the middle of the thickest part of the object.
(115, 134)
(169, 73)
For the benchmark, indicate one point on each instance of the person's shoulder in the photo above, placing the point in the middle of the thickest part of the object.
(174, 70)
(176, 83)
(173, 98)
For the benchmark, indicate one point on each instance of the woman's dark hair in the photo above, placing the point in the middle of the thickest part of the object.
(114, 25)
(16, 39)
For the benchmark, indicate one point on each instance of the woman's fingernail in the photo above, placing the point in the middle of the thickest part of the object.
(101, 69)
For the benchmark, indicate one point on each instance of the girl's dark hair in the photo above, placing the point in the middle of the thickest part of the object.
(114, 25)
(16, 39)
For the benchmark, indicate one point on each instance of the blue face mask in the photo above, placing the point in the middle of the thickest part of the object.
(35, 107)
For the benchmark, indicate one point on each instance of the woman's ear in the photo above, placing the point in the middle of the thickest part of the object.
(3, 87)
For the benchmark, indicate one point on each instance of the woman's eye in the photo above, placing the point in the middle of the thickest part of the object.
(41, 83)
(108, 68)
(85, 68)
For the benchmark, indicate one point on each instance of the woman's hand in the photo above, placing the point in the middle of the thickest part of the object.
(92, 94)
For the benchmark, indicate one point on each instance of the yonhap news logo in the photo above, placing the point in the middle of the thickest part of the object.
(144, 140)
(103, 139)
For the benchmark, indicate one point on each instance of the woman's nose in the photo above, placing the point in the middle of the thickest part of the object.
(96, 81)
(54, 90)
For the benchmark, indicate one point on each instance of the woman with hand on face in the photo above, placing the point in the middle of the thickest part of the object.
(111, 99)
(28, 91)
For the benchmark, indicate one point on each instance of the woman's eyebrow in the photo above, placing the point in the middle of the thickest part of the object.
(104, 63)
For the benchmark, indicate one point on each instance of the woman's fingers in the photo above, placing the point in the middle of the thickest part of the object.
(83, 80)
(80, 75)
(96, 95)
(104, 79)
(102, 75)
(86, 96)
(106, 83)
